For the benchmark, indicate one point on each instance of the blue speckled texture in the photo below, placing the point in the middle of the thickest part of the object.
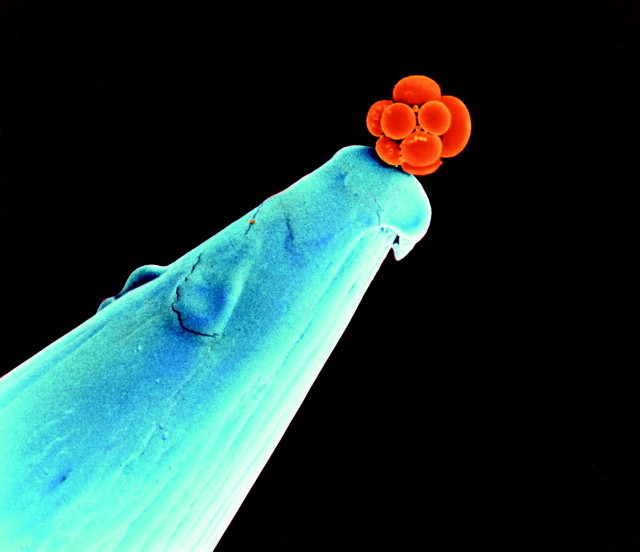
(145, 427)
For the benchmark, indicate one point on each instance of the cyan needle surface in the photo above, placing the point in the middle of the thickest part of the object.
(145, 427)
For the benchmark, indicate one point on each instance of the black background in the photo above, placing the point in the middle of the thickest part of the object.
(485, 392)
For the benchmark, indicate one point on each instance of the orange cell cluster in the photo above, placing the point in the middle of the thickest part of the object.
(419, 126)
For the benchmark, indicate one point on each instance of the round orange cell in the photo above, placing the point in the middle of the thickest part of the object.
(388, 150)
(456, 138)
(374, 114)
(398, 121)
(421, 171)
(421, 149)
(416, 90)
(434, 117)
